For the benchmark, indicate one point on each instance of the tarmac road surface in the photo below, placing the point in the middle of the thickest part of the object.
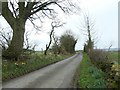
(58, 75)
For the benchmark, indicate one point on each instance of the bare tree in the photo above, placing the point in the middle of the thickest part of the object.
(5, 39)
(88, 28)
(53, 25)
(27, 44)
(111, 44)
(56, 45)
(17, 12)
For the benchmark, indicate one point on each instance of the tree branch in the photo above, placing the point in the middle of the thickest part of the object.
(34, 25)
(41, 7)
(7, 14)
(13, 8)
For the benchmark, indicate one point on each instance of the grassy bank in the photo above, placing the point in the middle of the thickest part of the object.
(12, 69)
(114, 72)
(88, 76)
(108, 62)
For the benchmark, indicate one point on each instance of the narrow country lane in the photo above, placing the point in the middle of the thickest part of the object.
(58, 75)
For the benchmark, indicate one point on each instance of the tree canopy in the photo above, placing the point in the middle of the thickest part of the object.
(17, 12)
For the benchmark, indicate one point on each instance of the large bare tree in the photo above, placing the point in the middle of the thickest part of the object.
(17, 12)
(88, 28)
(6, 37)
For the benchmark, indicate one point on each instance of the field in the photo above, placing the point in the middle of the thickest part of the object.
(114, 56)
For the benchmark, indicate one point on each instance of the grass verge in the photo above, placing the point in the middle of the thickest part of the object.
(13, 69)
(88, 76)
(108, 62)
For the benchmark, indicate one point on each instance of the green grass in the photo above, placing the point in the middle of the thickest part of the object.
(12, 69)
(89, 76)
(114, 56)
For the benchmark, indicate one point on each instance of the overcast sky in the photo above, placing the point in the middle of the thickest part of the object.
(105, 15)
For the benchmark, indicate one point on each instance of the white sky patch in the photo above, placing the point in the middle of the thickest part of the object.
(105, 13)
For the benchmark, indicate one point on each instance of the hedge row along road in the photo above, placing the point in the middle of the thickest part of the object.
(58, 75)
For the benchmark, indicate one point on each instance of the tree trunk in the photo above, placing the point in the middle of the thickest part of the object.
(16, 46)
(48, 46)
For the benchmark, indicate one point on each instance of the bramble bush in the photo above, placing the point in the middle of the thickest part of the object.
(101, 60)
